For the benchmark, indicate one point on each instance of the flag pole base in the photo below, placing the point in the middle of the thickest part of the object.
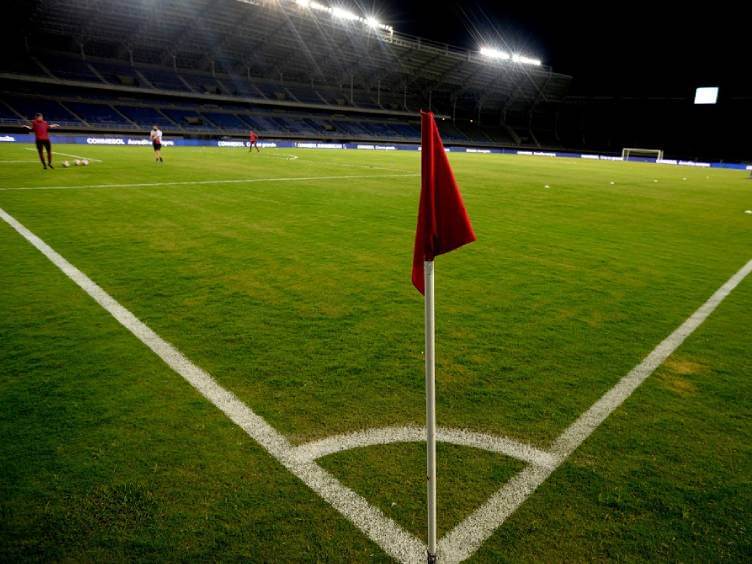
(431, 558)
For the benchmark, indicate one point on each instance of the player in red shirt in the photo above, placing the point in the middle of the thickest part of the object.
(41, 131)
(254, 141)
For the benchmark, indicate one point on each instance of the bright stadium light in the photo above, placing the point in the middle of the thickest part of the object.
(317, 6)
(499, 55)
(492, 53)
(343, 14)
(526, 60)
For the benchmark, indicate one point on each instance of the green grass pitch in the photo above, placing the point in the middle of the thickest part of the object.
(296, 296)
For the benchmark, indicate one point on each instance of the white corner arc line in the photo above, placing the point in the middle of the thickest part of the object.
(394, 540)
(461, 542)
(205, 182)
(54, 152)
(410, 434)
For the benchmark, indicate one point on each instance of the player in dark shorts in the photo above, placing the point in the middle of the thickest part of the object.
(253, 142)
(156, 142)
(41, 131)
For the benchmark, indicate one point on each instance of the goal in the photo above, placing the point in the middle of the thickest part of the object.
(629, 152)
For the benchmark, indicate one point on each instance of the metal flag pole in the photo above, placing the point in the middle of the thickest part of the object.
(430, 409)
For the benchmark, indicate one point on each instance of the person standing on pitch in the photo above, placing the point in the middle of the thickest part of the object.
(254, 142)
(156, 142)
(41, 131)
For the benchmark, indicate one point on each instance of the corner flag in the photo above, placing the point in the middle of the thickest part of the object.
(443, 226)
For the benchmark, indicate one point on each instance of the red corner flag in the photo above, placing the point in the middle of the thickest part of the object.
(443, 224)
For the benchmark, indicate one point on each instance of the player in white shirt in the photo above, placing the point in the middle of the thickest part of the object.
(156, 142)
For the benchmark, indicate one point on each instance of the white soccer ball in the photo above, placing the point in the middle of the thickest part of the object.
(85, 162)
(78, 163)
(66, 164)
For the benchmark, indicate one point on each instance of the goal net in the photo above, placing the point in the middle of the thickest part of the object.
(629, 152)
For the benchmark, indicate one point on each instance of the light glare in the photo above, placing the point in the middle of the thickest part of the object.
(525, 60)
(343, 14)
(494, 53)
(499, 55)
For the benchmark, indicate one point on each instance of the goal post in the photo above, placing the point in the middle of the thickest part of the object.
(629, 152)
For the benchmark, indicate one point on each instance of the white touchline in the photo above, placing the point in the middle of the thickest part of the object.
(462, 541)
(54, 152)
(204, 182)
(394, 540)
(467, 537)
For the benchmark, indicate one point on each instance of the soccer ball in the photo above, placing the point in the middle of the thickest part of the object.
(85, 162)
(78, 163)
(66, 164)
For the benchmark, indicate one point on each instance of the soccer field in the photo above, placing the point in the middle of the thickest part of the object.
(284, 278)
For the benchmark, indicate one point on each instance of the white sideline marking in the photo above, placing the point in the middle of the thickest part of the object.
(283, 156)
(204, 182)
(462, 541)
(388, 435)
(54, 152)
(13, 162)
(467, 537)
(348, 165)
(394, 540)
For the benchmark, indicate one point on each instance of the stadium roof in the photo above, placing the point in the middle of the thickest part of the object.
(280, 39)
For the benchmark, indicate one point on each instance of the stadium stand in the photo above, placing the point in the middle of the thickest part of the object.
(145, 117)
(228, 122)
(7, 115)
(53, 111)
(102, 115)
(129, 70)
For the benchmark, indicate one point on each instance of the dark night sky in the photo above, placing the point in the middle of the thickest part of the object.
(660, 49)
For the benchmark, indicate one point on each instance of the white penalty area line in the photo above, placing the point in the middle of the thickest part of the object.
(468, 536)
(54, 152)
(394, 540)
(208, 182)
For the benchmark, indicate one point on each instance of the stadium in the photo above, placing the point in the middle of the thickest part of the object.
(211, 347)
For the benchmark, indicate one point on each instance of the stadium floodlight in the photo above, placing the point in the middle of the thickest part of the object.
(317, 6)
(373, 22)
(343, 14)
(492, 53)
(499, 55)
(526, 60)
